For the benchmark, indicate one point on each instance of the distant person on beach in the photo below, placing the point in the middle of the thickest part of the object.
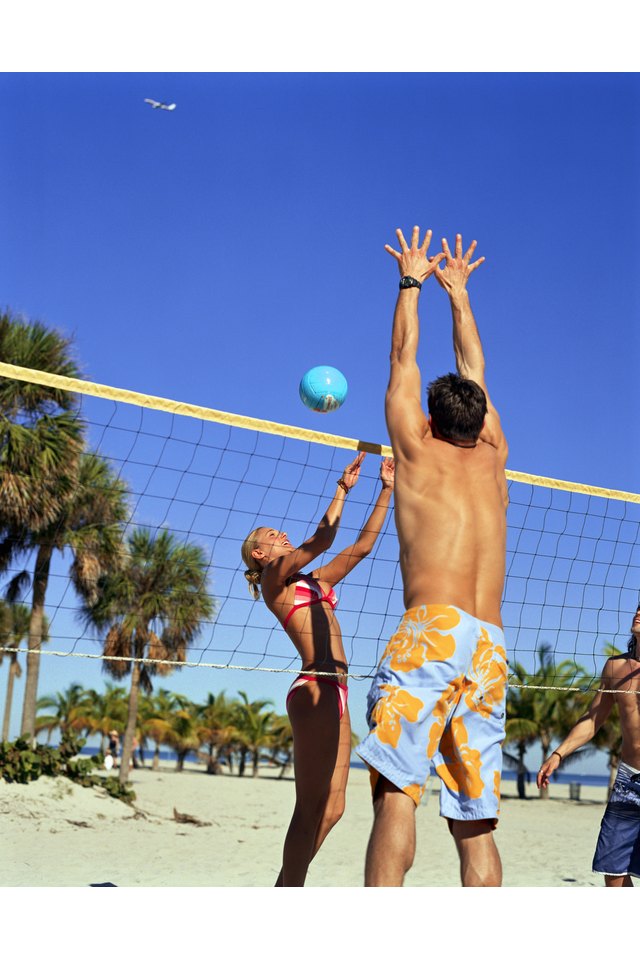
(317, 705)
(114, 745)
(617, 853)
(438, 696)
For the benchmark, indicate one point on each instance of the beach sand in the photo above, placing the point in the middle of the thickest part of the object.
(56, 834)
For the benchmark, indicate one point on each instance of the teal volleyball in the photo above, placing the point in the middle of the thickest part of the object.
(323, 389)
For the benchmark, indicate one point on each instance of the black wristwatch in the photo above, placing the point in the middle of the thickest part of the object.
(410, 282)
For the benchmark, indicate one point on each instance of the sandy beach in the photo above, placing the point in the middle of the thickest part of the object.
(56, 834)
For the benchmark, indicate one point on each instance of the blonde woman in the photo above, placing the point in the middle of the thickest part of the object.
(317, 704)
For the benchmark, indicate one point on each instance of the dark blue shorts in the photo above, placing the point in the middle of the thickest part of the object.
(618, 850)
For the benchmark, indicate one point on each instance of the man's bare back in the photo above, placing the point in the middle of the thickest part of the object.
(451, 520)
(451, 495)
(451, 498)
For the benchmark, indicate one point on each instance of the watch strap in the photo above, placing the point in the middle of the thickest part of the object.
(407, 282)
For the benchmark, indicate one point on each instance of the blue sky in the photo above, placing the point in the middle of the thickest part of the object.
(215, 253)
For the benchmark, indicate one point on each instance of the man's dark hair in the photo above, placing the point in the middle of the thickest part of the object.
(631, 648)
(458, 407)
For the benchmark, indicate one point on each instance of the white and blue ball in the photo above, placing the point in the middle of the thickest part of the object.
(323, 389)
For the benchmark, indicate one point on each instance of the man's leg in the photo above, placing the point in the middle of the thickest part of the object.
(618, 881)
(480, 864)
(392, 844)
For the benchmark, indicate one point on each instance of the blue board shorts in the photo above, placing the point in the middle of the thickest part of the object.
(618, 848)
(438, 699)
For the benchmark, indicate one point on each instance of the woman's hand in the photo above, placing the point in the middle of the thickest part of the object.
(388, 473)
(351, 472)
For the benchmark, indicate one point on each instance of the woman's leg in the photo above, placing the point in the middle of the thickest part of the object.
(315, 721)
(334, 807)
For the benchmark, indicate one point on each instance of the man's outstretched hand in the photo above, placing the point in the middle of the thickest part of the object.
(457, 270)
(412, 261)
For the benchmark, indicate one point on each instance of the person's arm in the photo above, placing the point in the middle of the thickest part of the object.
(406, 419)
(279, 571)
(467, 346)
(583, 731)
(338, 568)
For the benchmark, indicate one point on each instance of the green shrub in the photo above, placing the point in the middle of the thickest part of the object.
(21, 762)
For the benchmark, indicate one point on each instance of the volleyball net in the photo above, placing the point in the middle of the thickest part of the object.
(210, 477)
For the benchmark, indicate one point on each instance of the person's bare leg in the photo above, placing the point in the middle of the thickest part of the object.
(334, 807)
(392, 844)
(480, 864)
(314, 716)
(618, 881)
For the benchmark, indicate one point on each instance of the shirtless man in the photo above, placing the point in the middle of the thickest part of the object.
(617, 853)
(439, 690)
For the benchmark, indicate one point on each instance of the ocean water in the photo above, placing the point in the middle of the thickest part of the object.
(586, 779)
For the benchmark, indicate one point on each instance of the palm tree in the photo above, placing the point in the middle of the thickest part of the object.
(89, 523)
(107, 711)
(41, 439)
(539, 712)
(72, 711)
(520, 728)
(154, 720)
(152, 607)
(14, 628)
(182, 735)
(281, 745)
(254, 730)
(216, 728)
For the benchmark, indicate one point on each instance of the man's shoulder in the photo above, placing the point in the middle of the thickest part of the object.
(616, 665)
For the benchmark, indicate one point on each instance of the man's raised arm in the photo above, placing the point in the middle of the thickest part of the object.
(466, 339)
(406, 420)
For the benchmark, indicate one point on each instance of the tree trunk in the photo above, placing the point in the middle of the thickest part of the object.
(132, 721)
(14, 668)
(156, 758)
(40, 581)
(522, 773)
(213, 767)
(242, 763)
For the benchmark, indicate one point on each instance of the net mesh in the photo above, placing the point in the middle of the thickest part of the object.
(573, 555)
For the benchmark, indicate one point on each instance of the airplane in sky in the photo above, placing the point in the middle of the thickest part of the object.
(163, 106)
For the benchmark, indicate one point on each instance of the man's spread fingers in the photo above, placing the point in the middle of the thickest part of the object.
(469, 253)
(402, 241)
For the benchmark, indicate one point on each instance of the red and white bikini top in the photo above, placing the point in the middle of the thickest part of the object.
(308, 593)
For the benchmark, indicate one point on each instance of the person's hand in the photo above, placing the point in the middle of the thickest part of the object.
(351, 472)
(547, 768)
(457, 270)
(412, 261)
(388, 472)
